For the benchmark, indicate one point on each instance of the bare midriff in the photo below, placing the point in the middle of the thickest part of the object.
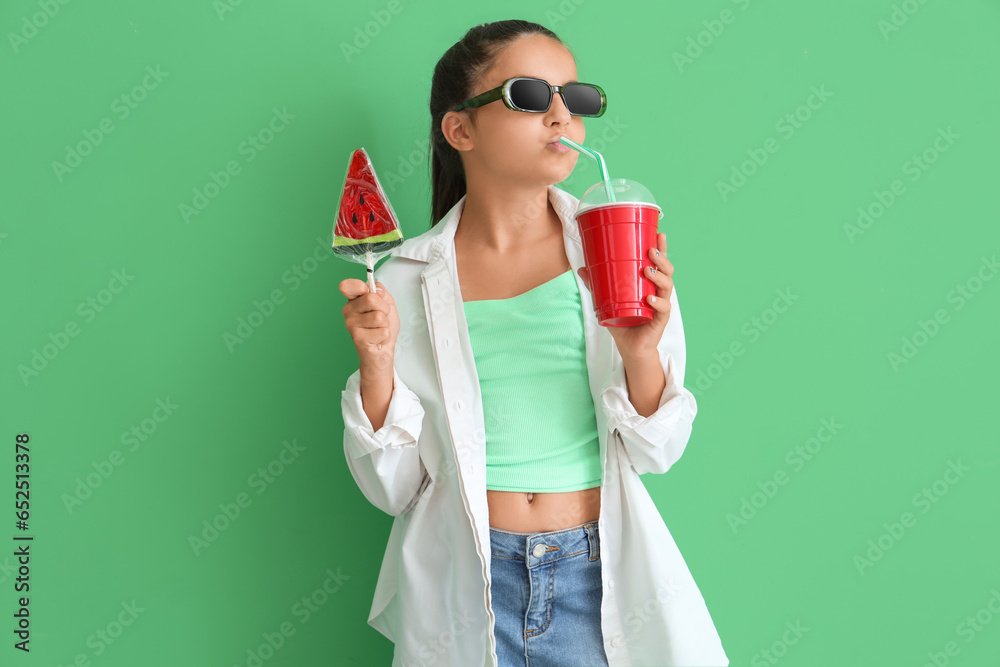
(521, 512)
(483, 274)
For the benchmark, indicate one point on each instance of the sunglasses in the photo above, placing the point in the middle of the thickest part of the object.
(535, 96)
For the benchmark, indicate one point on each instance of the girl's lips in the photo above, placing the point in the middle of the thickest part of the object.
(562, 148)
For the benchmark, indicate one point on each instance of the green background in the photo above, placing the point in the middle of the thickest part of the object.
(679, 127)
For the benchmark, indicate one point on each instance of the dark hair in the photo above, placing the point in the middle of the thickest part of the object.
(455, 77)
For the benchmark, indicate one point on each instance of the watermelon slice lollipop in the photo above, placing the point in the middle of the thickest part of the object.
(366, 227)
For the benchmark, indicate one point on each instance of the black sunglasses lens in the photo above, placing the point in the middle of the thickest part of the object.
(529, 94)
(582, 99)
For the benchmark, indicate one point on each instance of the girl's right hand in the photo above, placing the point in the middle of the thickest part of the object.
(373, 323)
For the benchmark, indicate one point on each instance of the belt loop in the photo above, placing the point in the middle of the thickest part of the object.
(595, 545)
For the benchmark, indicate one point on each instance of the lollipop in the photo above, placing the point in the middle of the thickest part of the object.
(366, 227)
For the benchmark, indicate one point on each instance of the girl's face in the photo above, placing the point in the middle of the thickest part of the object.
(516, 146)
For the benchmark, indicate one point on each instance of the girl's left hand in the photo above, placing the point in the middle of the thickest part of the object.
(640, 341)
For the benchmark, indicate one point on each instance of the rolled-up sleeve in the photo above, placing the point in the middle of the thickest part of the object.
(386, 463)
(656, 442)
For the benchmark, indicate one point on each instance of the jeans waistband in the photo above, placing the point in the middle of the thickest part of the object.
(538, 548)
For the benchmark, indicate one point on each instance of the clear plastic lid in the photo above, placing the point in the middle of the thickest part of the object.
(626, 191)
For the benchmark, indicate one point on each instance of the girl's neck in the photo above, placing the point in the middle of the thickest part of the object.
(502, 221)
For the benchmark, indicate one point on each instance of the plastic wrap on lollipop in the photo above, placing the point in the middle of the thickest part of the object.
(366, 228)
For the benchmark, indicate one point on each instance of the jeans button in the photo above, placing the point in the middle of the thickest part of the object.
(538, 551)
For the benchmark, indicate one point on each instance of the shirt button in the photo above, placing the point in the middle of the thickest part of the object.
(611, 583)
(538, 551)
(616, 642)
(447, 342)
(459, 405)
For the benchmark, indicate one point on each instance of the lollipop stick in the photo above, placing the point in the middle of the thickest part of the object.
(371, 277)
(371, 271)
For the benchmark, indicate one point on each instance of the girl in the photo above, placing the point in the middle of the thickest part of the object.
(502, 426)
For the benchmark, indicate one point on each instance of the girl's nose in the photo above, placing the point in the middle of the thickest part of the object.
(558, 108)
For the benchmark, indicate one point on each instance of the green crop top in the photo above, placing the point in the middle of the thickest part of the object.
(541, 429)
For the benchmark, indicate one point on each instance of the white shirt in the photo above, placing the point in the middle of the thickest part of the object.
(426, 467)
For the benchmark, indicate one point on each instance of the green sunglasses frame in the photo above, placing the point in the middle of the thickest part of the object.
(502, 92)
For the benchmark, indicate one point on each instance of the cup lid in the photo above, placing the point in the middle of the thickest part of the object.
(626, 191)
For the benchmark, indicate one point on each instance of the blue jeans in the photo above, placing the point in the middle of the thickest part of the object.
(546, 596)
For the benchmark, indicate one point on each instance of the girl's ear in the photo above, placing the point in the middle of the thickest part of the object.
(455, 128)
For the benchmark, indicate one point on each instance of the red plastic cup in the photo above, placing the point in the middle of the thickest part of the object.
(617, 237)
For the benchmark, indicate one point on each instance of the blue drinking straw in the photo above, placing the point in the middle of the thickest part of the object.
(600, 163)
